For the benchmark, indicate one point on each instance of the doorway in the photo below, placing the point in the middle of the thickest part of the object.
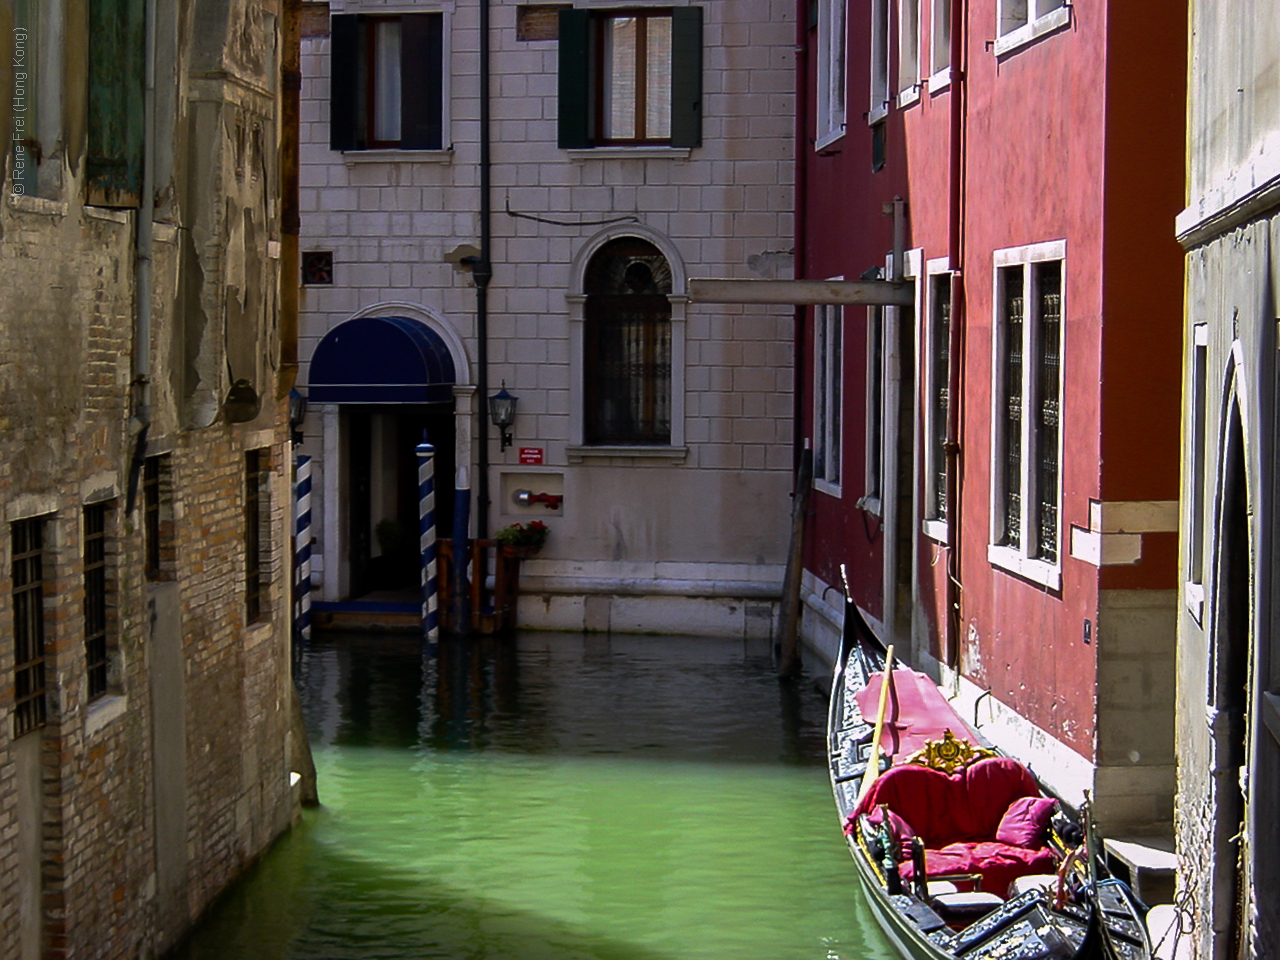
(382, 506)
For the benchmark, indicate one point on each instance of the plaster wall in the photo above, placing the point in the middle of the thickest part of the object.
(718, 496)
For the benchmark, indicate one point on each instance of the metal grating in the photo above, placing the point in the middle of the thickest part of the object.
(1046, 425)
(940, 398)
(1011, 398)
(95, 597)
(29, 709)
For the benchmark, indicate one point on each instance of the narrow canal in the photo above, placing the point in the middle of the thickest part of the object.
(568, 797)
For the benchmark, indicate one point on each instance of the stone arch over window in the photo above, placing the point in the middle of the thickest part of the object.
(627, 338)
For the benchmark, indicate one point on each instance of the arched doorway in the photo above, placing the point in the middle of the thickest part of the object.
(627, 345)
(392, 380)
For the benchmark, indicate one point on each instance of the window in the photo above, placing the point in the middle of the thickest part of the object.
(1199, 399)
(875, 410)
(27, 572)
(1028, 395)
(832, 78)
(937, 382)
(255, 483)
(386, 84)
(630, 78)
(908, 51)
(827, 397)
(95, 598)
(879, 61)
(1021, 21)
(157, 518)
(627, 345)
(117, 67)
(940, 43)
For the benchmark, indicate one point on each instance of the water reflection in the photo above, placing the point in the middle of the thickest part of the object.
(573, 797)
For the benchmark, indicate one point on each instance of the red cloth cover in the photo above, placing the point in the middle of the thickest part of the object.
(999, 863)
(916, 711)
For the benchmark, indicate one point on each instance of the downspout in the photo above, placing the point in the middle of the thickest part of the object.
(955, 380)
(481, 273)
(800, 253)
(290, 219)
(143, 236)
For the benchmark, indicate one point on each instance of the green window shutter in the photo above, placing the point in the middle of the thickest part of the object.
(345, 82)
(117, 47)
(686, 77)
(574, 123)
(421, 81)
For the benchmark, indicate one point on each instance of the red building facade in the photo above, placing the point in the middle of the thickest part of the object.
(997, 467)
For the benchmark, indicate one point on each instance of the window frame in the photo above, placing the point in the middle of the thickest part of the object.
(881, 90)
(876, 402)
(909, 78)
(1016, 26)
(1023, 559)
(938, 276)
(28, 543)
(940, 46)
(1197, 459)
(424, 83)
(579, 79)
(96, 519)
(828, 398)
(832, 78)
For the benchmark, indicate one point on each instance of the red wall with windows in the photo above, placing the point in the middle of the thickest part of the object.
(1063, 140)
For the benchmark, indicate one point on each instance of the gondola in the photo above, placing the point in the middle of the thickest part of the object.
(961, 853)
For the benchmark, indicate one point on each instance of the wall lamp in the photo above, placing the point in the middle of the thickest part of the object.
(297, 414)
(502, 411)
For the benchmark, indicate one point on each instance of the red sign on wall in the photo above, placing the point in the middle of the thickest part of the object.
(531, 456)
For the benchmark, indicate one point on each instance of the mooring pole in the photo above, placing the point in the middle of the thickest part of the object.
(461, 554)
(427, 539)
(302, 549)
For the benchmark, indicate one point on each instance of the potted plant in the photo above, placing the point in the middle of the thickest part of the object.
(523, 539)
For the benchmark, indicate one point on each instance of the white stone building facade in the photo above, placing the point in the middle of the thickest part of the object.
(675, 463)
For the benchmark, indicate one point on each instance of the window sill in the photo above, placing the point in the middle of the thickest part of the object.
(103, 710)
(350, 157)
(30, 204)
(909, 96)
(577, 454)
(871, 505)
(630, 153)
(1006, 558)
(936, 530)
(939, 81)
(827, 487)
(1029, 33)
(876, 114)
(1193, 597)
(827, 139)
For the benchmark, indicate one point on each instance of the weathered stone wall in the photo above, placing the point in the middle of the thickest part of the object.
(191, 738)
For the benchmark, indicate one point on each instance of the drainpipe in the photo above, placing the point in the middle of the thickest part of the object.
(800, 255)
(481, 273)
(955, 242)
(290, 219)
(143, 235)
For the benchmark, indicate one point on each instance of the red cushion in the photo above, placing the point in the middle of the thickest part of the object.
(992, 785)
(999, 863)
(1023, 824)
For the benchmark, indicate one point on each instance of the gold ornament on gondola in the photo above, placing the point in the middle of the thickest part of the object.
(948, 754)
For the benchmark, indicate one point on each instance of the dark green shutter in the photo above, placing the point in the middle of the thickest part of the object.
(345, 82)
(686, 77)
(117, 47)
(421, 81)
(574, 124)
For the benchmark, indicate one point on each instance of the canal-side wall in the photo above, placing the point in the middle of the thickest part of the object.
(143, 767)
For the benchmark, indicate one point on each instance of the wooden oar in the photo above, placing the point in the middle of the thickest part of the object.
(873, 761)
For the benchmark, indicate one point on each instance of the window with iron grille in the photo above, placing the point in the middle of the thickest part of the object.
(875, 409)
(157, 518)
(255, 479)
(937, 360)
(27, 573)
(627, 348)
(95, 598)
(1027, 498)
(827, 397)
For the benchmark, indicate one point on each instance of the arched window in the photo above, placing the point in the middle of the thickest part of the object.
(627, 345)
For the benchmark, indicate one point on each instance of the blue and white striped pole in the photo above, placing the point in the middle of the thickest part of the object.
(427, 539)
(302, 548)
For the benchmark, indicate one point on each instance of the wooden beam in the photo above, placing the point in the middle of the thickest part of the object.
(800, 292)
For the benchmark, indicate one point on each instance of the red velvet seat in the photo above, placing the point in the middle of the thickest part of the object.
(956, 816)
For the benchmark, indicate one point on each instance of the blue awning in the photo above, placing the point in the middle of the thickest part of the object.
(381, 360)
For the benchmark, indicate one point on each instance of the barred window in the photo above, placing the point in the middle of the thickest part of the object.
(95, 598)
(1028, 395)
(255, 479)
(29, 710)
(875, 408)
(829, 381)
(627, 386)
(937, 347)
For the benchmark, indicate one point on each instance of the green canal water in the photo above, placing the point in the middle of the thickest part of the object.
(567, 797)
